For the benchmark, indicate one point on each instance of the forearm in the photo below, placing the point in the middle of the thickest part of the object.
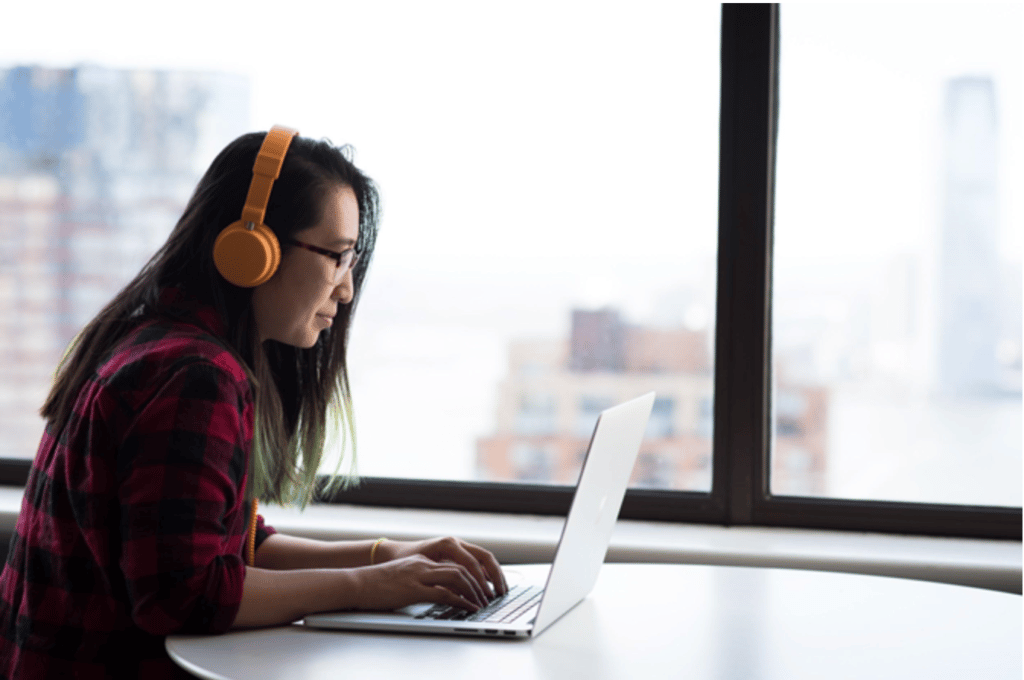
(294, 577)
(273, 597)
(279, 551)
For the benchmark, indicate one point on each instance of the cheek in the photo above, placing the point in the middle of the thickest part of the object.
(296, 287)
(278, 305)
(294, 296)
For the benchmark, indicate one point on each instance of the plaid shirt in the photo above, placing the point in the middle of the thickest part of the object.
(134, 515)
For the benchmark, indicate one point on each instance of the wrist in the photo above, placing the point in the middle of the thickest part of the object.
(377, 554)
(359, 584)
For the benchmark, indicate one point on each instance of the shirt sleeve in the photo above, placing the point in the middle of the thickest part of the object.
(263, 531)
(181, 469)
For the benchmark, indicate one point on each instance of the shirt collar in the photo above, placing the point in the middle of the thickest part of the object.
(178, 304)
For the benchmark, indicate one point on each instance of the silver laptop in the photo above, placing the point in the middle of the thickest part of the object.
(530, 608)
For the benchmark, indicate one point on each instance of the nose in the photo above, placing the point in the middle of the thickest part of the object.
(343, 292)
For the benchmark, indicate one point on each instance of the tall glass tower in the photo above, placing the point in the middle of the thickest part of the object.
(968, 258)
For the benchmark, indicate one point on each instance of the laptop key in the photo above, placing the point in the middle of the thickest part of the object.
(435, 612)
(504, 610)
(452, 614)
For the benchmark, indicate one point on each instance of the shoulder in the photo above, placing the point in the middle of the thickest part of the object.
(160, 349)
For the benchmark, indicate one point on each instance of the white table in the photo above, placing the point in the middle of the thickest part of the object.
(672, 621)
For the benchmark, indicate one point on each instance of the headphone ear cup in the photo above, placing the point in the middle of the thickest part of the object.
(246, 257)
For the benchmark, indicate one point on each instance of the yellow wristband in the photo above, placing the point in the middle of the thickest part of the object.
(250, 542)
(373, 550)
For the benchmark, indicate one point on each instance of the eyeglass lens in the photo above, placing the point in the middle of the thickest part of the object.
(347, 261)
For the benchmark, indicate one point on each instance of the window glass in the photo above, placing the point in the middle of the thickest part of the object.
(549, 182)
(549, 245)
(897, 276)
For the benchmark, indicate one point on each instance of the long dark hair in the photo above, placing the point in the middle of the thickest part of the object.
(298, 392)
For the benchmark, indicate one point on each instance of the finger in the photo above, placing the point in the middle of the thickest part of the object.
(457, 578)
(495, 573)
(490, 564)
(445, 596)
(464, 555)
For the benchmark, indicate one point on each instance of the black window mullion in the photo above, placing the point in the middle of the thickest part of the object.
(742, 317)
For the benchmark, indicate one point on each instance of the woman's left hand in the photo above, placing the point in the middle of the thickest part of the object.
(480, 562)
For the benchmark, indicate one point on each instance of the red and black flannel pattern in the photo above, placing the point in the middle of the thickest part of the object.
(132, 525)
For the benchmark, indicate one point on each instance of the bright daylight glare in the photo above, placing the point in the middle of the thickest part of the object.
(549, 174)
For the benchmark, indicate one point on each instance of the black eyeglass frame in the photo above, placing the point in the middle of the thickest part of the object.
(333, 254)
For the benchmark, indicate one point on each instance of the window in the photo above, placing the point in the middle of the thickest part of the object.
(536, 414)
(555, 238)
(532, 463)
(661, 424)
(548, 244)
(897, 274)
(589, 408)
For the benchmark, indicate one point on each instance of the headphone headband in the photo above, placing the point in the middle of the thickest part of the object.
(266, 169)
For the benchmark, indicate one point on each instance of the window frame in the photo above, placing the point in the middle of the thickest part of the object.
(740, 493)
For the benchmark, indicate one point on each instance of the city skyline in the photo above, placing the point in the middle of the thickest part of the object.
(555, 388)
(96, 166)
(456, 280)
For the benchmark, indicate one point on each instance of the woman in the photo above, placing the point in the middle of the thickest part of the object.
(185, 398)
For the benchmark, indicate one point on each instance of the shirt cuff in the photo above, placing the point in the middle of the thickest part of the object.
(262, 531)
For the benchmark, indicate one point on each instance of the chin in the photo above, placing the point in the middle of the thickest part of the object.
(301, 340)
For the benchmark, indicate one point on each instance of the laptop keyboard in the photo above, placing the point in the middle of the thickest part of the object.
(518, 601)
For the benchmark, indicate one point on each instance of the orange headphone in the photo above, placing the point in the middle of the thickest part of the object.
(246, 252)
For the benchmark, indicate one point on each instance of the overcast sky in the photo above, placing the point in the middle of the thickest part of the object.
(568, 123)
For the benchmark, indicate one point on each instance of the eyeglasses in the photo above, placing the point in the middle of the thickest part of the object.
(343, 261)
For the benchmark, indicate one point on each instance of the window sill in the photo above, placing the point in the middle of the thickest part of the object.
(527, 538)
(514, 539)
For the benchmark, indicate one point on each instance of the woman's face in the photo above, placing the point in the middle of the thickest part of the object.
(301, 298)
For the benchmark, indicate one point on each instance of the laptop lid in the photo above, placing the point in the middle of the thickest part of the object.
(588, 528)
(581, 550)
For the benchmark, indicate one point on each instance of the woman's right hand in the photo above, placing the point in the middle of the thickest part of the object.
(410, 580)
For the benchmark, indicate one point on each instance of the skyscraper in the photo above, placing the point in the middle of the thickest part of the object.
(968, 259)
(96, 166)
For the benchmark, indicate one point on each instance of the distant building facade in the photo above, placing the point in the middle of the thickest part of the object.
(969, 266)
(96, 166)
(555, 389)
